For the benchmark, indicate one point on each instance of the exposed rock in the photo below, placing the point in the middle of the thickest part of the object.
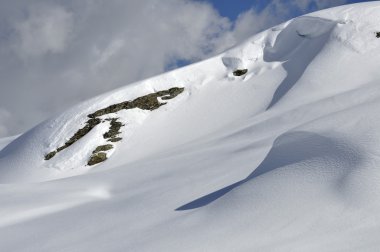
(97, 158)
(50, 155)
(110, 109)
(146, 102)
(240, 72)
(172, 93)
(114, 129)
(377, 34)
(105, 147)
(115, 139)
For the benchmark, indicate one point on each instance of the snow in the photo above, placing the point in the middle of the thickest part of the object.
(284, 158)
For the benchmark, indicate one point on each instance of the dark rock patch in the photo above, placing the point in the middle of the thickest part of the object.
(146, 102)
(113, 132)
(115, 139)
(97, 158)
(105, 147)
(50, 155)
(240, 72)
(110, 109)
(377, 34)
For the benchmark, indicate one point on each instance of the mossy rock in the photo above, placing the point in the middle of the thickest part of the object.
(240, 72)
(115, 139)
(146, 102)
(114, 129)
(110, 109)
(105, 147)
(50, 155)
(170, 93)
(97, 158)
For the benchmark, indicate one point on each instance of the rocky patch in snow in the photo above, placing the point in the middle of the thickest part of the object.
(240, 72)
(146, 102)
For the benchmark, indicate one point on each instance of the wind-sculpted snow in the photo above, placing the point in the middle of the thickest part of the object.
(292, 151)
(272, 145)
(297, 52)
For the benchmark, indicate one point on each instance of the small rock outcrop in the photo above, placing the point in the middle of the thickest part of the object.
(146, 102)
(377, 34)
(114, 130)
(115, 139)
(240, 72)
(97, 158)
(105, 147)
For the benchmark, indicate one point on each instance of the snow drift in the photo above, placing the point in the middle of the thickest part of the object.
(283, 156)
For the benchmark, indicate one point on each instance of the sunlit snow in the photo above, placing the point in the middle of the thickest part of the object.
(283, 158)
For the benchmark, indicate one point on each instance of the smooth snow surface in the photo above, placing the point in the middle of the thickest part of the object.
(284, 158)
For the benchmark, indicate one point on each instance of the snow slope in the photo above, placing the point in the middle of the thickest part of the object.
(283, 158)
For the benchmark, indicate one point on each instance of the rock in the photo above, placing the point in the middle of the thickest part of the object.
(146, 102)
(377, 34)
(97, 158)
(50, 155)
(105, 147)
(115, 139)
(240, 72)
(110, 109)
(114, 129)
(170, 93)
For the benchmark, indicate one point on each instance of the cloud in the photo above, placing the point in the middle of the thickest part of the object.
(5, 119)
(318, 4)
(54, 53)
(45, 30)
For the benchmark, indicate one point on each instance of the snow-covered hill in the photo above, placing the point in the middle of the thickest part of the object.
(273, 145)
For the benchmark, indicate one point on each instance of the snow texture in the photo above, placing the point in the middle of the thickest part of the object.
(283, 158)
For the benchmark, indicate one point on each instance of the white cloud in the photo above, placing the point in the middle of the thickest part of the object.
(46, 29)
(104, 56)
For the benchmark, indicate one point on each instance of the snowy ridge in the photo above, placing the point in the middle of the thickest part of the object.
(284, 157)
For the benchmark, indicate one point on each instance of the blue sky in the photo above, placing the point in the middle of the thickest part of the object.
(232, 8)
